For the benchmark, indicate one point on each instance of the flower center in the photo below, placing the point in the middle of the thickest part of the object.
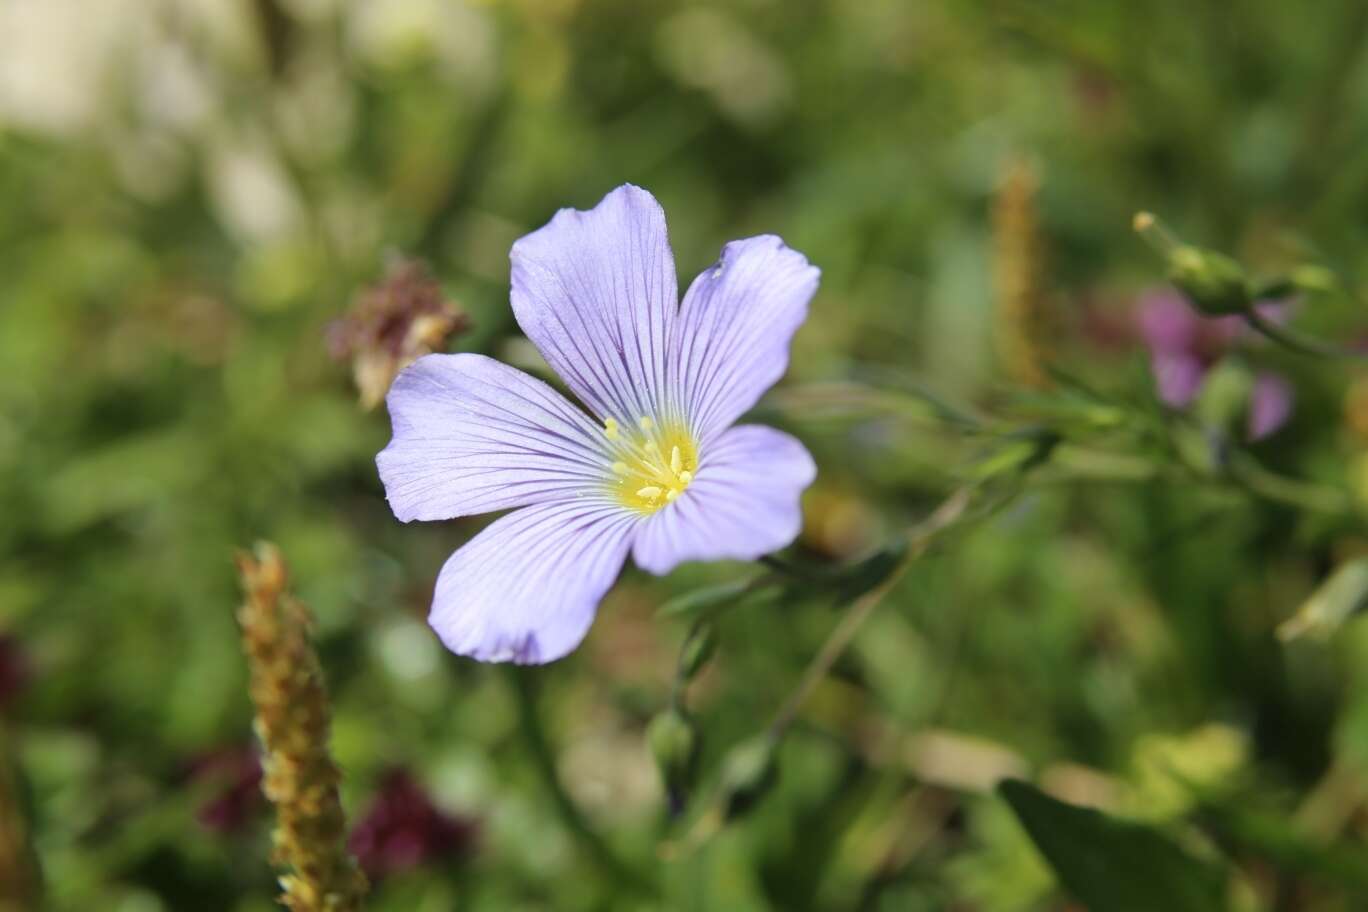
(652, 465)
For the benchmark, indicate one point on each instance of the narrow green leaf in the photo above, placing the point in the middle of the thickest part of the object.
(871, 572)
(710, 598)
(1333, 603)
(1113, 865)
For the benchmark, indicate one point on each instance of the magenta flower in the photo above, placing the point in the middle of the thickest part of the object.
(236, 772)
(403, 829)
(655, 468)
(1184, 346)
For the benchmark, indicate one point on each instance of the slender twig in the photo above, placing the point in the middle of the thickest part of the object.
(573, 819)
(831, 650)
(1244, 473)
(919, 539)
(1292, 492)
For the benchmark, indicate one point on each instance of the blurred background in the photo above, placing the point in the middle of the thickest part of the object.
(196, 192)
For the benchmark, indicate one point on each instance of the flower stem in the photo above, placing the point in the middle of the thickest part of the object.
(18, 873)
(1297, 342)
(950, 511)
(1292, 492)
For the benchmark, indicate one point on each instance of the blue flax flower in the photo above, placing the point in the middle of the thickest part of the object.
(655, 467)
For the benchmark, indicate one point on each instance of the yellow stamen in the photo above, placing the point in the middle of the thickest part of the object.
(649, 468)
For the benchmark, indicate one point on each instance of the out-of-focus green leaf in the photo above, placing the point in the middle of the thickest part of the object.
(1024, 451)
(708, 598)
(1333, 603)
(1113, 865)
(1278, 840)
(873, 571)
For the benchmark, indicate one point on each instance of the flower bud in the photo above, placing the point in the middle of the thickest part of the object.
(747, 774)
(1214, 282)
(674, 744)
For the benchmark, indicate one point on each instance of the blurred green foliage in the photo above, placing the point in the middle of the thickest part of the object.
(193, 191)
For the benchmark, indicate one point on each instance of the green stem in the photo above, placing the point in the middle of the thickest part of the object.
(1297, 342)
(19, 882)
(594, 845)
(948, 514)
(1292, 492)
(1074, 464)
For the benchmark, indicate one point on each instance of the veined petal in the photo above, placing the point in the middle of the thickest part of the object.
(526, 588)
(472, 435)
(744, 503)
(596, 293)
(734, 329)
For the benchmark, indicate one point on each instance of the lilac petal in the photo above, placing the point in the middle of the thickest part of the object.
(735, 326)
(743, 503)
(1177, 378)
(525, 589)
(472, 435)
(1270, 405)
(1168, 323)
(596, 293)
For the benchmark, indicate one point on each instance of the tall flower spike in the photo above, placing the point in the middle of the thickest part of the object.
(292, 720)
(1021, 321)
(655, 468)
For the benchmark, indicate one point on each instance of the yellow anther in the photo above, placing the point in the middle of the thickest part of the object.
(650, 465)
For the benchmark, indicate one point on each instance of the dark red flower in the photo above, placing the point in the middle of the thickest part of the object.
(403, 829)
(14, 669)
(236, 771)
